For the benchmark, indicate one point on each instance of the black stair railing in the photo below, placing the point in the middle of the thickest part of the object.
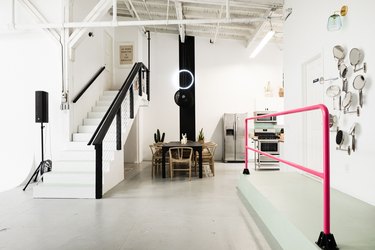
(88, 84)
(122, 106)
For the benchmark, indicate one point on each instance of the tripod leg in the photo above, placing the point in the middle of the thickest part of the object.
(36, 175)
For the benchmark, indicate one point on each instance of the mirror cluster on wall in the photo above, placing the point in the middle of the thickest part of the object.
(347, 97)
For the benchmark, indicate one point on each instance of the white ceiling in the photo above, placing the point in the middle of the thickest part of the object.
(245, 20)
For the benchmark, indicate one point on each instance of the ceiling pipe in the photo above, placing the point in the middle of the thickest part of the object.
(137, 23)
(217, 26)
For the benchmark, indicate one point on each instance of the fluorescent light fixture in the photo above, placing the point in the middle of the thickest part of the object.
(262, 43)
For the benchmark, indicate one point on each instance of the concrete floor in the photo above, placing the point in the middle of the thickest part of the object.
(140, 213)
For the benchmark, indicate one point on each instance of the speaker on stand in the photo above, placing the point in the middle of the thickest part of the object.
(41, 116)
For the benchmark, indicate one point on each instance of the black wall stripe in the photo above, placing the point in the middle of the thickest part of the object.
(187, 61)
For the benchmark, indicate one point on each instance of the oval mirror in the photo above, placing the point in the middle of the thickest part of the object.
(333, 91)
(355, 56)
(347, 100)
(343, 70)
(332, 120)
(359, 82)
(339, 137)
(339, 52)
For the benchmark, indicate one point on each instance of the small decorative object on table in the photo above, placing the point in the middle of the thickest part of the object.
(184, 139)
(201, 136)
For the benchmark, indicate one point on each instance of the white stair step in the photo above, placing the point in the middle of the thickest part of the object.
(73, 166)
(87, 129)
(110, 92)
(103, 103)
(64, 191)
(68, 178)
(83, 137)
(75, 155)
(77, 166)
(107, 98)
(91, 121)
(95, 115)
(100, 109)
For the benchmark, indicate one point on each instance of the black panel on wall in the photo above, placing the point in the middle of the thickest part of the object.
(187, 62)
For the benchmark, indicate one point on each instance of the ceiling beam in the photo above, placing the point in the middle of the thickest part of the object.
(137, 23)
(129, 8)
(114, 11)
(136, 14)
(179, 14)
(38, 16)
(96, 13)
(261, 27)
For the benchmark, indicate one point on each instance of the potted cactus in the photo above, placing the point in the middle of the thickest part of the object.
(157, 138)
(201, 136)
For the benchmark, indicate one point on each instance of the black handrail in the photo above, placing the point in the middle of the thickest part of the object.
(88, 84)
(114, 111)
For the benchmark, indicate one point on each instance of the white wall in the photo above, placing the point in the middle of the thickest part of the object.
(29, 61)
(226, 81)
(305, 37)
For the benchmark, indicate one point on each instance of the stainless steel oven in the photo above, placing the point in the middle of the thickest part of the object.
(268, 142)
(270, 146)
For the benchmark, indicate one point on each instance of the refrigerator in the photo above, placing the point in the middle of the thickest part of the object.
(234, 137)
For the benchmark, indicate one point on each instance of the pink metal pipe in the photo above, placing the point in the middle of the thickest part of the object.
(326, 159)
(310, 171)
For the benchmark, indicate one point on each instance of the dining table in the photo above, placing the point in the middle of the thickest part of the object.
(196, 146)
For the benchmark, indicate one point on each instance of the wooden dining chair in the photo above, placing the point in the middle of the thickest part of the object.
(156, 159)
(180, 159)
(208, 153)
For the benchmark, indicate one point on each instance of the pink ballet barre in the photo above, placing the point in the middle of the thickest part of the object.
(326, 240)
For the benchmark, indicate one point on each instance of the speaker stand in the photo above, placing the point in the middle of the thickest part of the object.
(42, 165)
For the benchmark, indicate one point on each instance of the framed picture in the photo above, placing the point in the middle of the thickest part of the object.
(126, 54)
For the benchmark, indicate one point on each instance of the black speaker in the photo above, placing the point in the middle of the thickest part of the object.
(41, 106)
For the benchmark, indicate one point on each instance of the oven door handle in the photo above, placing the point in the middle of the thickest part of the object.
(268, 140)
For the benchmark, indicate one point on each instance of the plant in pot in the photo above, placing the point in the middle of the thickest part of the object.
(201, 136)
(157, 138)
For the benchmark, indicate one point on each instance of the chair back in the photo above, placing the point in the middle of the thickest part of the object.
(180, 153)
(211, 147)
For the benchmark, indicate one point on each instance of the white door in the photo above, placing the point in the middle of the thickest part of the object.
(313, 93)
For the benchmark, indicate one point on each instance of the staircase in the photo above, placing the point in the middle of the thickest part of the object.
(73, 172)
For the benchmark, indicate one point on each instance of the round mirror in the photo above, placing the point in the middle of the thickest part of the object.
(339, 52)
(333, 91)
(359, 82)
(343, 70)
(355, 56)
(347, 100)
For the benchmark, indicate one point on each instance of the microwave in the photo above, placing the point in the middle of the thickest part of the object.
(270, 119)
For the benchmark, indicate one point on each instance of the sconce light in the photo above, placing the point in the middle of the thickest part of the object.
(334, 21)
